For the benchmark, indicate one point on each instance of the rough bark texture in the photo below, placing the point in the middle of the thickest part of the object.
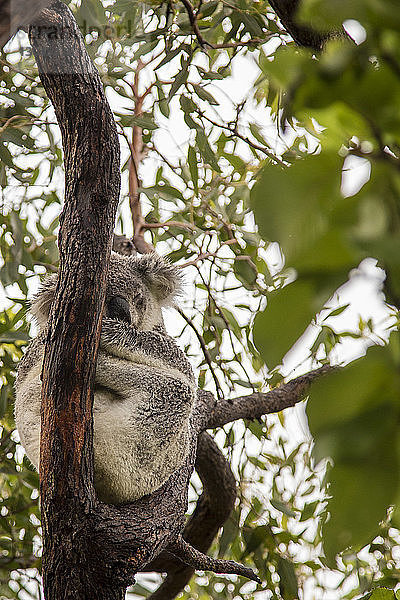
(92, 183)
(92, 550)
(17, 13)
(255, 405)
(212, 510)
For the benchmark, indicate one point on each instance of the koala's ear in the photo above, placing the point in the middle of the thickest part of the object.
(162, 278)
(41, 302)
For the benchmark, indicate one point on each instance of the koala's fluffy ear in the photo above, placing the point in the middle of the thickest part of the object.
(41, 302)
(162, 278)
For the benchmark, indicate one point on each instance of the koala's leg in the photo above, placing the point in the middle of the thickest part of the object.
(141, 427)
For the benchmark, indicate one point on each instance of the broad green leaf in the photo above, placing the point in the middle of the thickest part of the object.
(204, 94)
(361, 495)
(288, 313)
(256, 537)
(288, 580)
(327, 14)
(246, 272)
(282, 507)
(207, 9)
(372, 379)
(380, 594)
(352, 415)
(179, 80)
(292, 205)
(144, 121)
(91, 15)
(206, 150)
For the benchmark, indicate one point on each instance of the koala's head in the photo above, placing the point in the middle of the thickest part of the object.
(138, 288)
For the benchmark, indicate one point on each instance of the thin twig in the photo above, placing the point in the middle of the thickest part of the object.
(137, 155)
(205, 352)
(13, 68)
(167, 224)
(204, 43)
(235, 133)
(205, 255)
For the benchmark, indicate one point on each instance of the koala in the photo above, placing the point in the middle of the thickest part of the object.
(144, 384)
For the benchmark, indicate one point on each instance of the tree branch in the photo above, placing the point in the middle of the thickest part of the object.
(235, 133)
(254, 406)
(200, 561)
(212, 510)
(136, 147)
(205, 255)
(206, 44)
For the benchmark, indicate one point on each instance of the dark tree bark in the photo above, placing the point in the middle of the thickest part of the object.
(17, 13)
(92, 182)
(92, 550)
(212, 510)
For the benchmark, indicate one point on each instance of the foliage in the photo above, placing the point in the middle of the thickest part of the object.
(310, 120)
(346, 100)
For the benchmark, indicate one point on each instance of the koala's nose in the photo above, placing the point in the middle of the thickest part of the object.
(118, 308)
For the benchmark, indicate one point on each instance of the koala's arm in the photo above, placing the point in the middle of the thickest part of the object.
(122, 339)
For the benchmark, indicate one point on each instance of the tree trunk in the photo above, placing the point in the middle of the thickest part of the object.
(92, 181)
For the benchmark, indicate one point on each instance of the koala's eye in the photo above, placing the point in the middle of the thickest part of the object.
(118, 308)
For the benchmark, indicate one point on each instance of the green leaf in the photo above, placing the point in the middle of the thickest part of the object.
(212, 75)
(4, 400)
(288, 580)
(204, 94)
(180, 79)
(5, 156)
(187, 104)
(14, 336)
(255, 130)
(246, 272)
(288, 313)
(380, 594)
(352, 415)
(282, 507)
(309, 510)
(91, 14)
(145, 122)
(207, 9)
(206, 151)
(169, 56)
(121, 6)
(193, 168)
(293, 205)
(338, 311)
(372, 380)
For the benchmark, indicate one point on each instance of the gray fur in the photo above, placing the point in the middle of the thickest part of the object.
(144, 388)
